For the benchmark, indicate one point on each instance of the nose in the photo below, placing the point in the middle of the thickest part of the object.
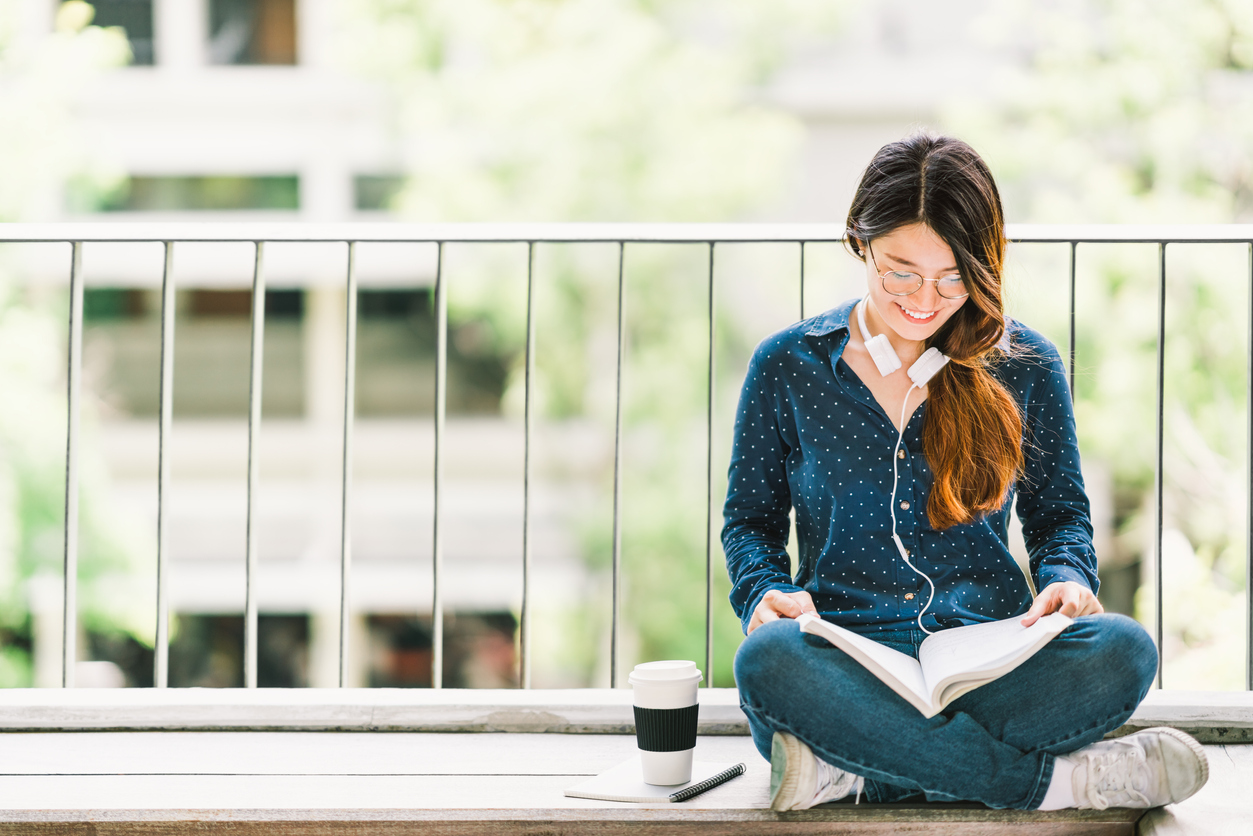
(928, 296)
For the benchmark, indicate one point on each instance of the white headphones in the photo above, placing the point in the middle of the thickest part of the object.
(923, 369)
(885, 359)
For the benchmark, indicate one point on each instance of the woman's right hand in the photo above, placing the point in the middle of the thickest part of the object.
(775, 605)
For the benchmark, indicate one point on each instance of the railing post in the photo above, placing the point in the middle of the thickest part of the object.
(709, 487)
(524, 662)
(614, 634)
(1074, 246)
(254, 459)
(802, 281)
(1248, 528)
(350, 388)
(69, 636)
(161, 648)
(1158, 474)
(441, 410)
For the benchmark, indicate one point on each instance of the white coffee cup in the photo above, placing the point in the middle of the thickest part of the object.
(665, 719)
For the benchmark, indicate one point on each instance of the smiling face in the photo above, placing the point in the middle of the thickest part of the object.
(914, 318)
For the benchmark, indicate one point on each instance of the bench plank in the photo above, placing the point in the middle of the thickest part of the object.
(400, 783)
(330, 753)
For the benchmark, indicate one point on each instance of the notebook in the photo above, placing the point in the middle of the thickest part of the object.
(625, 782)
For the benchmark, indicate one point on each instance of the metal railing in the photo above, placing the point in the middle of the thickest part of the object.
(623, 235)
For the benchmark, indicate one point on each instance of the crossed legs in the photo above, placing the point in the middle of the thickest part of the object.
(995, 744)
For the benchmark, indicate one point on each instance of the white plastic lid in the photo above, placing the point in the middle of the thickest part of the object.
(671, 670)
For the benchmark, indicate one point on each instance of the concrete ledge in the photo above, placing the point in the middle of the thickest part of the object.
(574, 711)
(1210, 716)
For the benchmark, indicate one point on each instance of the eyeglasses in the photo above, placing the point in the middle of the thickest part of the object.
(900, 283)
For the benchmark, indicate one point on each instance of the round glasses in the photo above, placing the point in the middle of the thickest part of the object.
(900, 283)
(903, 284)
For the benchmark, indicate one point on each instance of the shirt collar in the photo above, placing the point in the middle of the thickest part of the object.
(835, 319)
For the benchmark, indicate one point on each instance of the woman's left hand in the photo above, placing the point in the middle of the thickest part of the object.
(1067, 597)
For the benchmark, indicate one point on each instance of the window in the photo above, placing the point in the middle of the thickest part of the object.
(375, 192)
(172, 194)
(212, 351)
(135, 16)
(252, 31)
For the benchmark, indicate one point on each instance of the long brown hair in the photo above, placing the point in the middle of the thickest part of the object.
(972, 436)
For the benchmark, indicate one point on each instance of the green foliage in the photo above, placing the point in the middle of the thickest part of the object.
(1129, 111)
(38, 148)
(1140, 112)
(569, 111)
(598, 110)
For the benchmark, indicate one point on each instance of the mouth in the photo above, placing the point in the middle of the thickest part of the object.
(917, 316)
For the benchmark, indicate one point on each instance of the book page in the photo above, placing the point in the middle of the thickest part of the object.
(980, 653)
(899, 671)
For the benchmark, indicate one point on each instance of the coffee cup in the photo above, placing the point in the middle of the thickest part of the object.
(665, 719)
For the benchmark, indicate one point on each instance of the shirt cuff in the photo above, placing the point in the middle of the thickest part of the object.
(1050, 574)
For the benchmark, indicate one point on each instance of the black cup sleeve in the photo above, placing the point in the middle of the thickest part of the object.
(666, 729)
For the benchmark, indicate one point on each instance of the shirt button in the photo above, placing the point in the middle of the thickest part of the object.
(904, 505)
(900, 454)
(909, 596)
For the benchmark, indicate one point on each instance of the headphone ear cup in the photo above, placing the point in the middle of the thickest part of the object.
(883, 354)
(926, 366)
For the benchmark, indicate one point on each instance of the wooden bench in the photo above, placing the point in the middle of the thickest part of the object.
(480, 762)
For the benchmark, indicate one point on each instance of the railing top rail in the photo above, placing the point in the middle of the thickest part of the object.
(678, 233)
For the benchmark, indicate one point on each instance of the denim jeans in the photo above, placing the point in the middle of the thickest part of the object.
(995, 744)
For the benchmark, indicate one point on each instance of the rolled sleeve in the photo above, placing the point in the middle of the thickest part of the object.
(1052, 502)
(756, 522)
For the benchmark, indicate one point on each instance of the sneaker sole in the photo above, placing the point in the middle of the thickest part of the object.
(1196, 749)
(785, 752)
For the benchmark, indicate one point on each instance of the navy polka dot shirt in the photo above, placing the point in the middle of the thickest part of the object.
(810, 436)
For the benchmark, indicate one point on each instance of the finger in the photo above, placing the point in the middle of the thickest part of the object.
(784, 604)
(1033, 614)
(806, 602)
(1089, 605)
(789, 607)
(1077, 601)
(1045, 603)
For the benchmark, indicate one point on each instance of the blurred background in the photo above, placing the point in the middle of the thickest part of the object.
(1089, 111)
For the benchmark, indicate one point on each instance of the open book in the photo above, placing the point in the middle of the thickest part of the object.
(950, 662)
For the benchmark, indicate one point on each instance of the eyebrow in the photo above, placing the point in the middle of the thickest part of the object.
(909, 263)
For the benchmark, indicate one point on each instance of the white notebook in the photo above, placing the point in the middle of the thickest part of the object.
(625, 782)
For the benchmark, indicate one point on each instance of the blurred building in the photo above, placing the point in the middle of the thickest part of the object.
(234, 110)
(231, 111)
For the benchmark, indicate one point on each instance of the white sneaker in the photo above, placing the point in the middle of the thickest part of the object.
(800, 780)
(1146, 769)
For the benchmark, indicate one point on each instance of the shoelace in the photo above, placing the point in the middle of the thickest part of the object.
(1111, 777)
(835, 783)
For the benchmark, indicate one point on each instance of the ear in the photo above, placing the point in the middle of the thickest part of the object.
(856, 245)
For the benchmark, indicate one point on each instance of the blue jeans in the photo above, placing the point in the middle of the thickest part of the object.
(995, 744)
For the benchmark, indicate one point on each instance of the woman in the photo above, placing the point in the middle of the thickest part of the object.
(901, 487)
